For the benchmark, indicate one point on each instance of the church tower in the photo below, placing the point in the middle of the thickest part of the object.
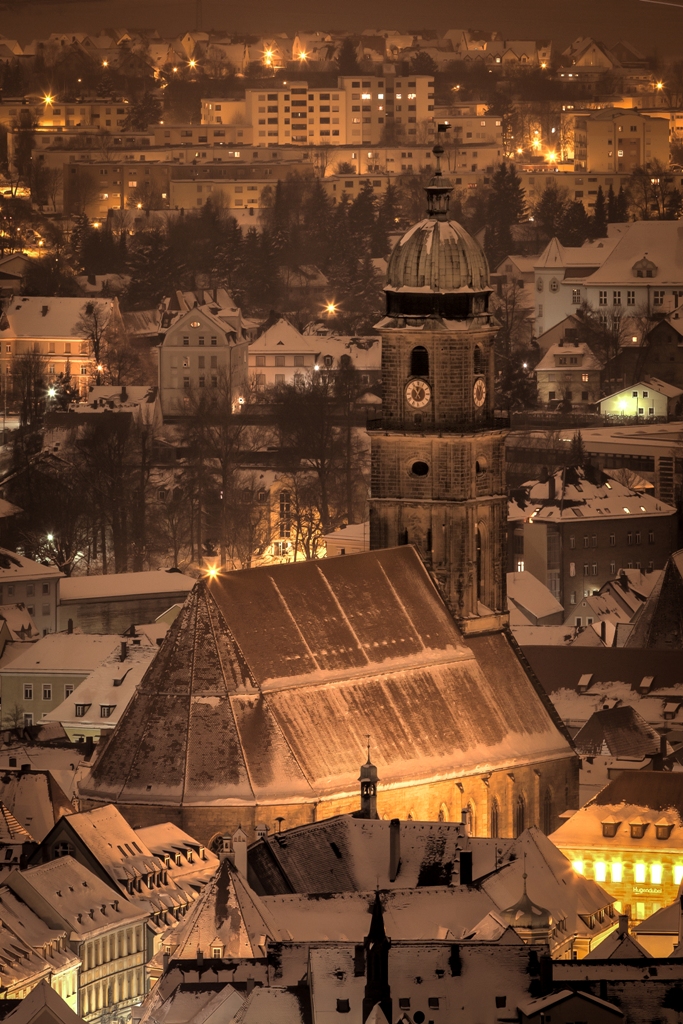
(438, 473)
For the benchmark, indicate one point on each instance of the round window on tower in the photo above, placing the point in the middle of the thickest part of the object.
(419, 469)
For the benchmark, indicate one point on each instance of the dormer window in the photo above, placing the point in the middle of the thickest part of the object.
(663, 829)
(610, 827)
(216, 952)
(645, 268)
(638, 828)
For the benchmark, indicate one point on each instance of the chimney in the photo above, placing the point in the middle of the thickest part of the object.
(546, 974)
(250, 986)
(603, 631)
(165, 960)
(124, 650)
(551, 488)
(70, 626)
(622, 928)
(124, 394)
(394, 848)
(200, 958)
(465, 867)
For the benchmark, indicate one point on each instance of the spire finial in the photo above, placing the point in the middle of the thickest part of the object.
(439, 189)
(368, 739)
(524, 876)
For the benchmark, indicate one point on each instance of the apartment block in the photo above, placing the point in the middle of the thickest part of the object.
(619, 140)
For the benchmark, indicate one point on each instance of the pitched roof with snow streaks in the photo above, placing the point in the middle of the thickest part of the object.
(268, 680)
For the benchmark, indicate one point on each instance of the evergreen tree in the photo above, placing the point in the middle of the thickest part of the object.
(621, 206)
(600, 214)
(506, 206)
(577, 452)
(611, 206)
(347, 62)
(423, 64)
(551, 208)
(576, 225)
(145, 111)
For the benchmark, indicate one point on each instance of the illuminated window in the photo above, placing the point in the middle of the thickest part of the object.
(617, 871)
(678, 874)
(656, 874)
(600, 871)
(639, 872)
(578, 866)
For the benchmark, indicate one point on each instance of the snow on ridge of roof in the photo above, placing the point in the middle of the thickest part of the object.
(589, 362)
(622, 730)
(64, 652)
(284, 337)
(660, 241)
(124, 584)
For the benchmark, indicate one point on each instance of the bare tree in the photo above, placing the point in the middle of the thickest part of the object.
(92, 324)
(27, 373)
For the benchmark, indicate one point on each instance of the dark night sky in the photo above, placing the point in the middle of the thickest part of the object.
(651, 27)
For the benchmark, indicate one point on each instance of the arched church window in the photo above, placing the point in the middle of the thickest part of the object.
(479, 366)
(495, 819)
(419, 362)
(520, 815)
(548, 812)
(443, 813)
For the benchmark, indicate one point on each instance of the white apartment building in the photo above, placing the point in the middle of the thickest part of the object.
(204, 348)
(279, 354)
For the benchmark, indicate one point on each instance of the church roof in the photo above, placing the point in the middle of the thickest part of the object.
(660, 623)
(619, 732)
(270, 679)
(437, 255)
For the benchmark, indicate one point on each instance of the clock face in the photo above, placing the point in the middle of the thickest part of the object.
(418, 393)
(479, 392)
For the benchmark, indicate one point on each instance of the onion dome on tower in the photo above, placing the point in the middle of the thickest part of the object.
(437, 269)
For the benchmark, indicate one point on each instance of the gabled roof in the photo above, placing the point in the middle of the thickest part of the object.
(567, 348)
(618, 947)
(284, 337)
(661, 241)
(527, 593)
(36, 316)
(620, 732)
(10, 829)
(229, 916)
(255, 714)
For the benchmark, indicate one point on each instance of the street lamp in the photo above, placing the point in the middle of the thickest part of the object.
(212, 572)
(330, 308)
(50, 537)
(52, 392)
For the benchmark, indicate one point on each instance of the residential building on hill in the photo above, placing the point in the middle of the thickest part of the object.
(32, 584)
(575, 528)
(203, 356)
(51, 328)
(619, 140)
(113, 602)
(635, 271)
(569, 372)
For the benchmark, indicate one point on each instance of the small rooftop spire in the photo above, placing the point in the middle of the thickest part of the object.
(439, 188)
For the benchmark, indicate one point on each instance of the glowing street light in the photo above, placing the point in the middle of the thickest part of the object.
(105, 63)
(192, 63)
(52, 392)
(659, 86)
(50, 537)
(212, 572)
(330, 308)
(519, 150)
(551, 156)
(48, 100)
(175, 70)
(303, 56)
(100, 368)
(268, 58)
(544, 65)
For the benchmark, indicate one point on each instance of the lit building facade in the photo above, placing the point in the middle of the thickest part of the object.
(629, 838)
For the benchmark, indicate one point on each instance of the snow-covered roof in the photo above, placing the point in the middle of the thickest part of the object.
(63, 653)
(124, 584)
(528, 595)
(43, 1003)
(111, 684)
(650, 798)
(580, 349)
(35, 316)
(36, 798)
(284, 337)
(373, 625)
(591, 254)
(660, 241)
(574, 495)
(75, 896)
(543, 636)
(15, 567)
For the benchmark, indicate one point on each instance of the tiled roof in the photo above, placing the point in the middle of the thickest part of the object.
(270, 678)
(622, 731)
